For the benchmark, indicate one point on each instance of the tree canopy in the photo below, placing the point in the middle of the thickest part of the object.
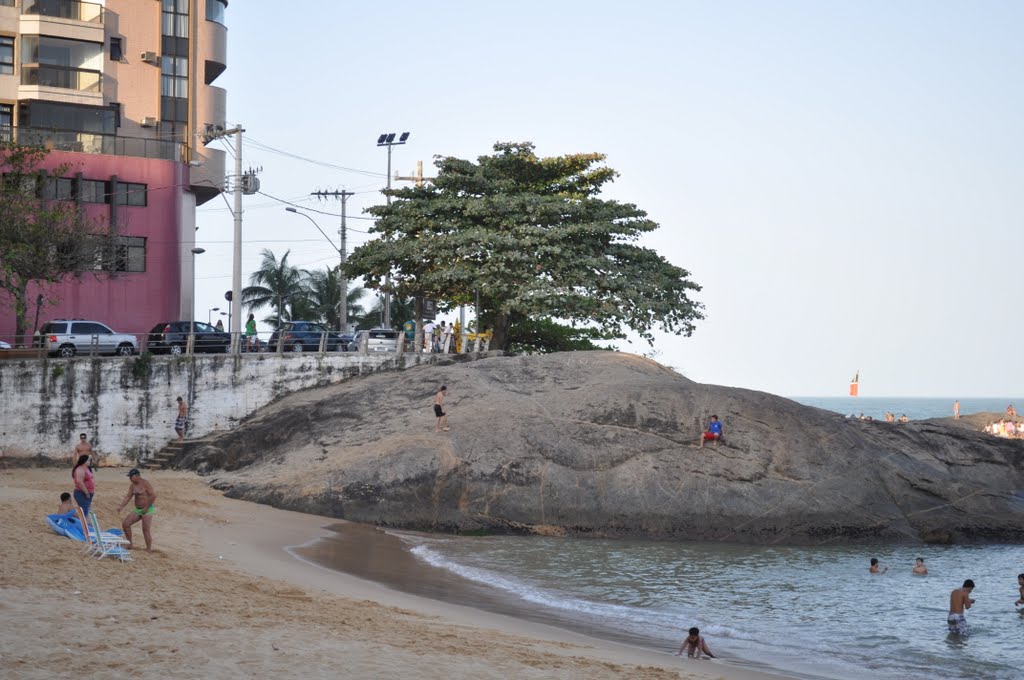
(534, 239)
(43, 236)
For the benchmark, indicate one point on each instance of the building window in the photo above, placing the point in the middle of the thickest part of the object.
(6, 55)
(6, 122)
(59, 188)
(92, 191)
(174, 77)
(131, 194)
(175, 18)
(215, 10)
(130, 254)
(116, 49)
(7, 3)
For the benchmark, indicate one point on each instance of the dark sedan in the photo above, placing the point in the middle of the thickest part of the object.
(171, 337)
(304, 336)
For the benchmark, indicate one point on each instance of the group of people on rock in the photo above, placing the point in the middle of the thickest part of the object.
(1005, 427)
(891, 417)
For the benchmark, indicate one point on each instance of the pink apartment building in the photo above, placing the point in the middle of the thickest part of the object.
(119, 90)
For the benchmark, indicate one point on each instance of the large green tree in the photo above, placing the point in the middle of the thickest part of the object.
(44, 236)
(532, 237)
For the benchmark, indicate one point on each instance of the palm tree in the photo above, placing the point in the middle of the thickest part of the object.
(278, 284)
(322, 302)
(402, 309)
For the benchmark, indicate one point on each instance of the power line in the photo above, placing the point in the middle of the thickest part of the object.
(265, 147)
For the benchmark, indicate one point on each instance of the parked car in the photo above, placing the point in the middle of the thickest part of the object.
(67, 337)
(4, 345)
(377, 340)
(304, 336)
(171, 337)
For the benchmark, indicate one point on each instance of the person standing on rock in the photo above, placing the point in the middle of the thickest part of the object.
(713, 434)
(181, 422)
(442, 417)
(145, 498)
(959, 600)
(956, 410)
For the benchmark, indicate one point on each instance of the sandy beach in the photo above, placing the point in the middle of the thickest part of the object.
(219, 596)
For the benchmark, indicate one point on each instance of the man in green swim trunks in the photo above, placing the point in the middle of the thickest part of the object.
(145, 497)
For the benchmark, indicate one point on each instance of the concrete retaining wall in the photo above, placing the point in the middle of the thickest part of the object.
(127, 407)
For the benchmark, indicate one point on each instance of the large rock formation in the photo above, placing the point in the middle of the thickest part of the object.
(604, 443)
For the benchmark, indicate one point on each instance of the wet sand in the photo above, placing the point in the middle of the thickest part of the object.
(220, 597)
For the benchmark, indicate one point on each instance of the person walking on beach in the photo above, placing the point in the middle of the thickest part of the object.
(960, 600)
(694, 644)
(713, 434)
(145, 508)
(876, 568)
(181, 422)
(85, 484)
(956, 410)
(919, 568)
(442, 417)
(82, 448)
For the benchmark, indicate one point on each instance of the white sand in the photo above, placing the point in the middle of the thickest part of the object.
(220, 598)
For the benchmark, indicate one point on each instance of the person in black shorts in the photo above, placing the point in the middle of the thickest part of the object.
(442, 417)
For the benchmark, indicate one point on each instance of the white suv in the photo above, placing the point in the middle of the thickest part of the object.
(67, 337)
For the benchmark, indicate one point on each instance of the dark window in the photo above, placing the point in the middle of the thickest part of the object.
(89, 328)
(59, 188)
(131, 194)
(6, 55)
(7, 3)
(92, 191)
(54, 328)
(116, 51)
(75, 117)
(6, 122)
(116, 107)
(130, 254)
(215, 10)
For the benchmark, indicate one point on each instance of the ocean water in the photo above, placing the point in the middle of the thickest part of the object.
(805, 612)
(915, 408)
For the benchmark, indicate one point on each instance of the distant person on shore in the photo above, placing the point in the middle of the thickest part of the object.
(919, 568)
(714, 433)
(904, 418)
(65, 504)
(1020, 582)
(250, 334)
(442, 417)
(695, 645)
(145, 499)
(956, 410)
(877, 568)
(890, 417)
(181, 422)
(85, 484)
(1011, 411)
(960, 600)
(82, 448)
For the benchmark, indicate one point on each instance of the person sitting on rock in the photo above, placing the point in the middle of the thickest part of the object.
(714, 433)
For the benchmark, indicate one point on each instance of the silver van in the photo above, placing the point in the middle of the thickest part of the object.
(67, 337)
(377, 340)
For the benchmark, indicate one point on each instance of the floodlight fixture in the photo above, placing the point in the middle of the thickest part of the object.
(198, 251)
(391, 138)
(405, 136)
(382, 140)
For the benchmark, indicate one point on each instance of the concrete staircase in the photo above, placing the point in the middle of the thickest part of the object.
(162, 458)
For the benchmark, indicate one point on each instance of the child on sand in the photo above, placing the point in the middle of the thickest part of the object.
(65, 504)
(694, 645)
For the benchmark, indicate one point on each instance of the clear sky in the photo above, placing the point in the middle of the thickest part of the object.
(844, 179)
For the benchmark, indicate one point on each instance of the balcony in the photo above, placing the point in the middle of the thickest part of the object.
(93, 142)
(66, 77)
(88, 12)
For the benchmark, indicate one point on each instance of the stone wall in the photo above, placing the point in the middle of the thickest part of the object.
(127, 405)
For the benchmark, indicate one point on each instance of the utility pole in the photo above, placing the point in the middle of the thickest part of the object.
(388, 139)
(418, 177)
(210, 133)
(342, 254)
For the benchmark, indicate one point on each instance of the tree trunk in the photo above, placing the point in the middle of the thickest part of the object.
(418, 338)
(20, 310)
(502, 322)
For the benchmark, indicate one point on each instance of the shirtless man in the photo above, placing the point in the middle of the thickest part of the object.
(1020, 582)
(876, 568)
(66, 505)
(956, 410)
(694, 644)
(82, 448)
(959, 600)
(442, 417)
(919, 568)
(145, 497)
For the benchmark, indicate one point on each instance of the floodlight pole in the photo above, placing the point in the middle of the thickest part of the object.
(388, 139)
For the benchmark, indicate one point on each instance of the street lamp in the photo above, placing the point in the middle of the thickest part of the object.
(342, 281)
(192, 320)
(209, 314)
(388, 139)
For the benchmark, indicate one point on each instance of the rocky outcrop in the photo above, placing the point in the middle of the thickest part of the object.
(604, 443)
